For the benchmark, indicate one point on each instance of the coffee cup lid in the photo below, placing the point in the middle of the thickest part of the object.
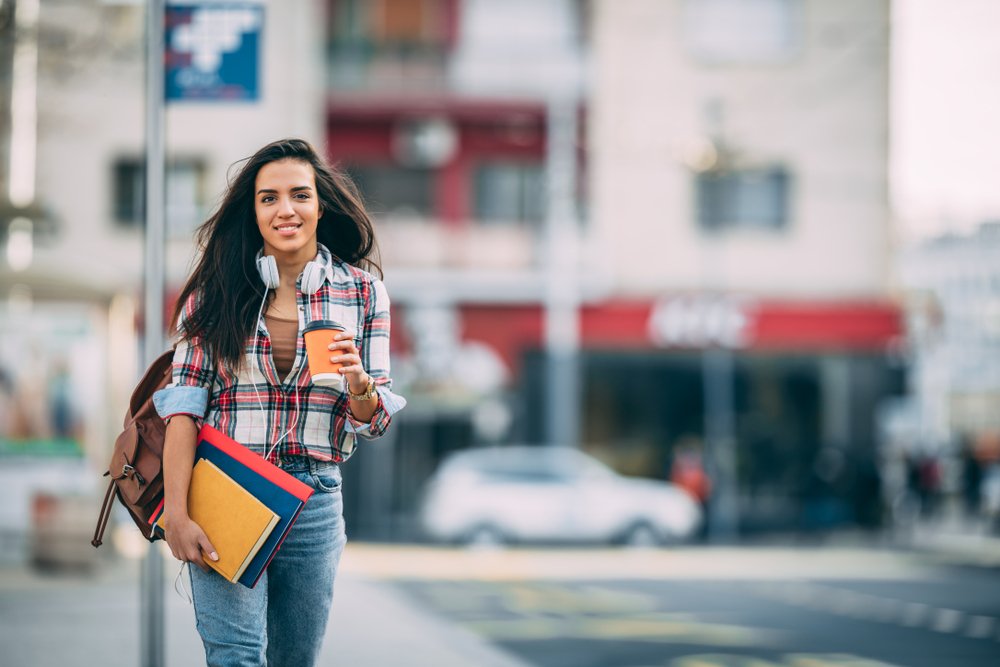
(324, 324)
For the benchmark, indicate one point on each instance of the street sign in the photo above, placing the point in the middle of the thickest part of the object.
(212, 52)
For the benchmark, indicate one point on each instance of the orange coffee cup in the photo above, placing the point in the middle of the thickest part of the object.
(319, 334)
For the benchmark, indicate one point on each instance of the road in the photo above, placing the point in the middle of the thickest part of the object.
(438, 607)
(702, 608)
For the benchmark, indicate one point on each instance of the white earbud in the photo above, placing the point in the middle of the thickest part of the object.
(312, 274)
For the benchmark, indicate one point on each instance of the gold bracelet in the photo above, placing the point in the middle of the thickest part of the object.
(366, 395)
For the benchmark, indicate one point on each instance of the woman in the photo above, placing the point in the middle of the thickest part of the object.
(280, 252)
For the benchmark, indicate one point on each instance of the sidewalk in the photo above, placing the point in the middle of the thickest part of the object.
(76, 619)
(374, 625)
(960, 542)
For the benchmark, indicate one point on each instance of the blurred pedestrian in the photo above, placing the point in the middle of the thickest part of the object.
(291, 235)
(972, 479)
(929, 484)
(688, 472)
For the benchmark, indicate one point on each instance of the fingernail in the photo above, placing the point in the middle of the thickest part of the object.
(214, 556)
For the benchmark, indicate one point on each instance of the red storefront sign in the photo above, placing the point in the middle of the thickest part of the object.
(694, 323)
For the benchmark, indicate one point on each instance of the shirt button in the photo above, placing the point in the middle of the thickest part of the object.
(301, 307)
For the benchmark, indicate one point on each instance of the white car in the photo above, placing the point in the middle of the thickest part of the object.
(550, 494)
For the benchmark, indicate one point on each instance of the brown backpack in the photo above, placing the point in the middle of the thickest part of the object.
(136, 467)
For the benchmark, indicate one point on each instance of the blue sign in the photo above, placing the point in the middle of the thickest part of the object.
(212, 52)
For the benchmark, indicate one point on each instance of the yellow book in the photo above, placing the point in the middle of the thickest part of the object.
(235, 522)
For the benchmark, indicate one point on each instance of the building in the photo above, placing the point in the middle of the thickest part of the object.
(952, 287)
(440, 110)
(732, 190)
(625, 185)
(71, 274)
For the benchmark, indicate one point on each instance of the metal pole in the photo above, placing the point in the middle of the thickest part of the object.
(152, 631)
(717, 368)
(562, 318)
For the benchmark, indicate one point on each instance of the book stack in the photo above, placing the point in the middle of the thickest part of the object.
(245, 504)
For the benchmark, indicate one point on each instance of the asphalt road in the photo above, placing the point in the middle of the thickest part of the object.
(687, 607)
(935, 616)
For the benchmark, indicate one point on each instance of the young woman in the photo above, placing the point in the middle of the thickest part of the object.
(283, 249)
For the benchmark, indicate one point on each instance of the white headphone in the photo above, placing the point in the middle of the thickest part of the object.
(312, 274)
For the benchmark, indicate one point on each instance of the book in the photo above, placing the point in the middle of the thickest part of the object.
(279, 491)
(235, 522)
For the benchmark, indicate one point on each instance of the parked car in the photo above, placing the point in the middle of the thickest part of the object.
(550, 494)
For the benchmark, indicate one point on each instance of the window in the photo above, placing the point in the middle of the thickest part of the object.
(510, 193)
(394, 24)
(185, 195)
(395, 191)
(742, 31)
(746, 199)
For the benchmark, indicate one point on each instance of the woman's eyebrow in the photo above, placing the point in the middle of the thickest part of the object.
(297, 188)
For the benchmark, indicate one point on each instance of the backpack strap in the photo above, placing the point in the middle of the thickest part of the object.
(102, 520)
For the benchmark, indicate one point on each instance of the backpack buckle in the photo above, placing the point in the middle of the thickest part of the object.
(130, 471)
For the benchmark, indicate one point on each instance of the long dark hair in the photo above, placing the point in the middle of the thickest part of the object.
(225, 282)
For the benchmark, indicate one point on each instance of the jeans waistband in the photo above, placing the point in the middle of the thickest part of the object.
(303, 464)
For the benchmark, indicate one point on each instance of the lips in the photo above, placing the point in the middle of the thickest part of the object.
(288, 229)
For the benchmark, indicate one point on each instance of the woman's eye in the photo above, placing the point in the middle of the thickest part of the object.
(266, 199)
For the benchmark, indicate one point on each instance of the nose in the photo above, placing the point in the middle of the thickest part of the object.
(285, 208)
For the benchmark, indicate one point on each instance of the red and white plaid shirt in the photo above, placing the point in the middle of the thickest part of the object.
(317, 419)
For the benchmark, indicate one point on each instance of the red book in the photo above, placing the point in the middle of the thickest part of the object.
(281, 492)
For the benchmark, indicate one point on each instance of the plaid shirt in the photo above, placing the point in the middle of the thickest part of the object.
(318, 419)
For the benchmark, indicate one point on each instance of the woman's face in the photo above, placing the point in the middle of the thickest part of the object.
(287, 208)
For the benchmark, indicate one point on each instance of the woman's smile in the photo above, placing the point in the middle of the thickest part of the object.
(288, 229)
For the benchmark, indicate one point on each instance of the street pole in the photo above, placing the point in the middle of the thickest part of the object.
(718, 375)
(562, 318)
(152, 631)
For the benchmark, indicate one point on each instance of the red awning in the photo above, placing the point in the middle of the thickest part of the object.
(765, 325)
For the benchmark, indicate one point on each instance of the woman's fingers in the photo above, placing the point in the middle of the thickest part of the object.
(346, 359)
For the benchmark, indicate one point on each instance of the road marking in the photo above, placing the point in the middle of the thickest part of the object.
(660, 627)
(863, 606)
(787, 660)
(947, 620)
(689, 563)
(980, 627)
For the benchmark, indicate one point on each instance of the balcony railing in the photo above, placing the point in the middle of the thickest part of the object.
(367, 66)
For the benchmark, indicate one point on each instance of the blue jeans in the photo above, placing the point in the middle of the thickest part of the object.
(282, 620)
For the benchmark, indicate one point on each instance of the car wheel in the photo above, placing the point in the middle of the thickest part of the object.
(485, 536)
(642, 535)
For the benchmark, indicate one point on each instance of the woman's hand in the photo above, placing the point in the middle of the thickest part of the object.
(346, 353)
(188, 541)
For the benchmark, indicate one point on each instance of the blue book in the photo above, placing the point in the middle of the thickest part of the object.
(282, 493)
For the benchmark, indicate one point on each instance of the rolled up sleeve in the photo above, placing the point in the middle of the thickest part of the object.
(375, 359)
(192, 380)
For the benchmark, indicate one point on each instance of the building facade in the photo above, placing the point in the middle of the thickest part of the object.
(71, 274)
(730, 194)
(952, 286)
(629, 185)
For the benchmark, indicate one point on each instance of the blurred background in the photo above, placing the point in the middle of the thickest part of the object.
(743, 250)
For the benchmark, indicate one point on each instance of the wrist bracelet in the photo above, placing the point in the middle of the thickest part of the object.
(366, 395)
